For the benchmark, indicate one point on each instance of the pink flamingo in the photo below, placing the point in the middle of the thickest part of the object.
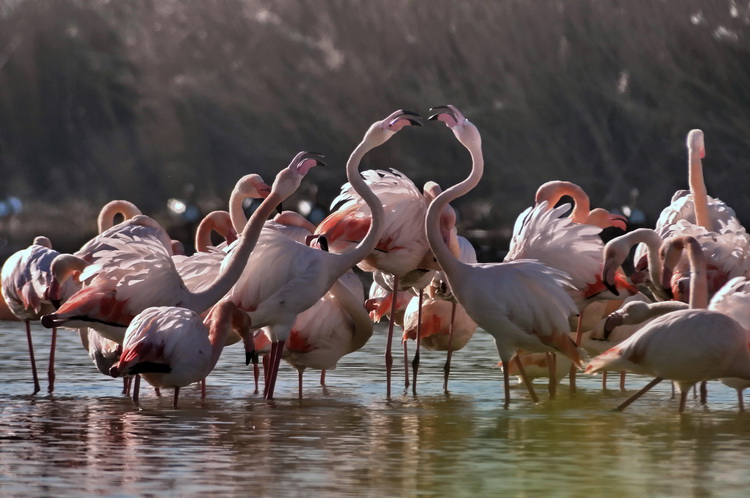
(284, 278)
(174, 347)
(686, 346)
(131, 277)
(26, 278)
(523, 304)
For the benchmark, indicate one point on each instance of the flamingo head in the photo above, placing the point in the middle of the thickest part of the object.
(381, 131)
(253, 186)
(696, 144)
(290, 178)
(465, 131)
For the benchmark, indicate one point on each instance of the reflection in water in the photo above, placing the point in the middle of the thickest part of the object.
(348, 439)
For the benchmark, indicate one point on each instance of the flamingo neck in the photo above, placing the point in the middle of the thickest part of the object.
(698, 280)
(236, 260)
(553, 191)
(650, 238)
(106, 218)
(440, 249)
(236, 213)
(368, 243)
(698, 189)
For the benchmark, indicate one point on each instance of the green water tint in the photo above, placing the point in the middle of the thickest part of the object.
(347, 439)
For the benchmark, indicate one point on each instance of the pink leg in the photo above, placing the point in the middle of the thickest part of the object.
(447, 367)
(31, 356)
(51, 367)
(256, 375)
(299, 382)
(266, 372)
(622, 380)
(322, 377)
(683, 397)
(704, 392)
(126, 385)
(526, 380)
(176, 395)
(136, 388)
(552, 365)
(640, 393)
(278, 346)
(573, 368)
(506, 384)
(389, 340)
(415, 362)
(740, 400)
(203, 389)
(406, 365)
(604, 380)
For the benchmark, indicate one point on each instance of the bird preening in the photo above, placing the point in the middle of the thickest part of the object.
(292, 290)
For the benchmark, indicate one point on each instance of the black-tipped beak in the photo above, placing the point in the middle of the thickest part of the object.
(611, 288)
(317, 156)
(56, 303)
(48, 321)
(612, 321)
(413, 118)
(279, 208)
(438, 110)
(251, 358)
(323, 243)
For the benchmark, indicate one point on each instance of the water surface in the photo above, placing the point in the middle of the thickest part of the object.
(348, 439)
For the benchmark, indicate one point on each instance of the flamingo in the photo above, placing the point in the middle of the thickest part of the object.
(26, 278)
(173, 347)
(572, 244)
(714, 224)
(131, 277)
(523, 304)
(284, 278)
(336, 325)
(687, 346)
(616, 251)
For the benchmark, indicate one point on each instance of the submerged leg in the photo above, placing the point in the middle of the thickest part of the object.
(51, 367)
(415, 363)
(389, 340)
(579, 333)
(526, 380)
(447, 367)
(640, 393)
(31, 356)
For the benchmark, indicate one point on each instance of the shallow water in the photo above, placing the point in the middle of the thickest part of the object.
(348, 439)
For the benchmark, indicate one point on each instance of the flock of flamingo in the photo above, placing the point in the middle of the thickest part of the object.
(558, 303)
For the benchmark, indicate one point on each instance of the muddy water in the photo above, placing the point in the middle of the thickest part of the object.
(348, 439)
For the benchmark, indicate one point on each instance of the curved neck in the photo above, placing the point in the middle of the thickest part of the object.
(368, 243)
(106, 218)
(212, 222)
(359, 315)
(222, 319)
(650, 238)
(698, 189)
(236, 260)
(698, 280)
(553, 191)
(236, 213)
(448, 262)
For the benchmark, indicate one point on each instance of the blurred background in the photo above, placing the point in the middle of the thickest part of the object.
(151, 100)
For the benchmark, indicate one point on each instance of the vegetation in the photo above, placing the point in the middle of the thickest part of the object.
(136, 99)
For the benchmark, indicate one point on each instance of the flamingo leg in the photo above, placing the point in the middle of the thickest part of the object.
(126, 385)
(579, 333)
(552, 365)
(276, 361)
(415, 362)
(256, 375)
(176, 395)
(51, 367)
(622, 380)
(299, 382)
(31, 356)
(683, 397)
(406, 365)
(704, 392)
(388, 347)
(136, 388)
(604, 380)
(526, 381)
(447, 367)
(740, 400)
(506, 384)
(640, 393)
(157, 391)
(203, 389)
(266, 371)
(323, 377)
